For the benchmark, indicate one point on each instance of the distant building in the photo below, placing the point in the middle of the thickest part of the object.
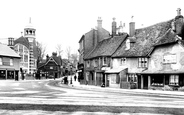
(25, 46)
(51, 67)
(9, 63)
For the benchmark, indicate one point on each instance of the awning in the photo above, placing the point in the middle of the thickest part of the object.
(115, 70)
(180, 71)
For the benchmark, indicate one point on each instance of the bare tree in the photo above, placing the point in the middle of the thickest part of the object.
(59, 49)
(41, 51)
(68, 53)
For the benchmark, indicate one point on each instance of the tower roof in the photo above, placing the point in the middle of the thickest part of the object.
(29, 25)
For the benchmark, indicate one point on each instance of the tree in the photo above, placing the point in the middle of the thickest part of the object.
(41, 51)
(68, 53)
(59, 50)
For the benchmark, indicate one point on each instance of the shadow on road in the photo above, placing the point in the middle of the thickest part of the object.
(89, 108)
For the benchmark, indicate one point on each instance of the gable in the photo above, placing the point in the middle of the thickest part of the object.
(51, 61)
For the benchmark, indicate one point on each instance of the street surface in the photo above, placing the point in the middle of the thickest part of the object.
(45, 97)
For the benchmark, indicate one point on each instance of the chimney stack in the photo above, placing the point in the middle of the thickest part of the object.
(178, 12)
(114, 27)
(179, 23)
(132, 27)
(10, 41)
(99, 22)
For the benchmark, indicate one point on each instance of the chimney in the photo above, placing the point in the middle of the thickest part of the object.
(10, 42)
(114, 27)
(132, 27)
(179, 23)
(47, 57)
(54, 54)
(99, 22)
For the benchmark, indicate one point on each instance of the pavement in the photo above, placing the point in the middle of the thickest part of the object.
(76, 84)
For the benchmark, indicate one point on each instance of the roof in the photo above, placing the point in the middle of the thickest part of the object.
(145, 40)
(57, 59)
(115, 70)
(7, 51)
(168, 37)
(22, 40)
(179, 71)
(106, 47)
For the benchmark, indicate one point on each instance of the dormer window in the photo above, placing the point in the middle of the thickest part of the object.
(122, 61)
(88, 64)
(127, 44)
(104, 60)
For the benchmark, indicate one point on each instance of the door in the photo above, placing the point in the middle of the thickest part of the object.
(145, 82)
(139, 81)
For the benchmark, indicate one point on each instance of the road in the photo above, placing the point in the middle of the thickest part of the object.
(51, 97)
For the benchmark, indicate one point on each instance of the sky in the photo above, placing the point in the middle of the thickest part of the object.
(65, 21)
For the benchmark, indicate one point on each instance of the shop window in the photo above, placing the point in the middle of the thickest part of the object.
(1, 61)
(174, 80)
(115, 78)
(143, 62)
(131, 77)
(157, 80)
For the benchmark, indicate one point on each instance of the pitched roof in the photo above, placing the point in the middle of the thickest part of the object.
(145, 39)
(7, 51)
(106, 47)
(168, 37)
(22, 40)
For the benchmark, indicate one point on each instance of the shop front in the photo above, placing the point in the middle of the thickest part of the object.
(165, 80)
(9, 74)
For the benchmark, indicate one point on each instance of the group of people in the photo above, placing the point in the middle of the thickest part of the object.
(69, 79)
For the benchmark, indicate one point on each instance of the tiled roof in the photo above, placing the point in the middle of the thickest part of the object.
(106, 47)
(57, 59)
(168, 37)
(22, 40)
(145, 39)
(7, 51)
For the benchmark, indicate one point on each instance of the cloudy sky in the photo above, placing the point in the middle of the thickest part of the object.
(65, 21)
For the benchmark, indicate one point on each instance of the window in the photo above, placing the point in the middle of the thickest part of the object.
(20, 48)
(88, 64)
(1, 61)
(105, 61)
(6, 61)
(143, 62)
(25, 58)
(115, 78)
(157, 80)
(122, 61)
(11, 62)
(174, 80)
(131, 77)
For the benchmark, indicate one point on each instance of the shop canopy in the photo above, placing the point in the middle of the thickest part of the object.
(115, 70)
(179, 71)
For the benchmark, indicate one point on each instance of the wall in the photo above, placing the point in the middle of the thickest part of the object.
(131, 64)
(88, 42)
(156, 62)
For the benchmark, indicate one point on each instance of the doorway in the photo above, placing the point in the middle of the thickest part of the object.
(145, 82)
